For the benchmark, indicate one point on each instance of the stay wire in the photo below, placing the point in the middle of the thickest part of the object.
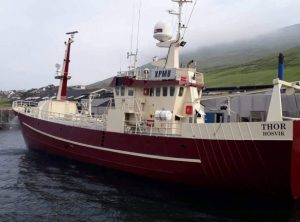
(187, 24)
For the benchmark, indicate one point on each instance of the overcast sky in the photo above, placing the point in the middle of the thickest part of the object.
(33, 33)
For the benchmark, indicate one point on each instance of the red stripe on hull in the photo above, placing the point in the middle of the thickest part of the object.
(255, 166)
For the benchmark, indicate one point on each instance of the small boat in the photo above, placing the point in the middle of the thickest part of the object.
(156, 126)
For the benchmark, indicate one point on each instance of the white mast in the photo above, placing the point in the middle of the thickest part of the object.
(172, 60)
(134, 54)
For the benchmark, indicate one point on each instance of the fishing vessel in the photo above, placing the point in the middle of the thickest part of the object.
(156, 126)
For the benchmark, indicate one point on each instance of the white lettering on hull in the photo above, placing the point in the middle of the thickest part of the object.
(240, 131)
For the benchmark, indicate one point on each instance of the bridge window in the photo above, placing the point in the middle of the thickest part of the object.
(157, 91)
(172, 90)
(130, 92)
(165, 91)
(180, 93)
(151, 91)
(117, 89)
(122, 91)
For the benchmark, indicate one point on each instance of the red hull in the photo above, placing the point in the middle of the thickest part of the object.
(270, 167)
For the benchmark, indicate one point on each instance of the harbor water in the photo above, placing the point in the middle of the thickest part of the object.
(40, 187)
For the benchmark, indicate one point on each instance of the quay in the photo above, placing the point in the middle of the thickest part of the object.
(7, 117)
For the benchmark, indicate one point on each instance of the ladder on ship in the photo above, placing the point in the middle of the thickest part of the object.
(138, 117)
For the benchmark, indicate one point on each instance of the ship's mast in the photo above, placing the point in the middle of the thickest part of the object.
(172, 60)
(62, 90)
(180, 26)
(132, 66)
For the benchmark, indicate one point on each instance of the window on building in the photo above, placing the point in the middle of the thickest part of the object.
(157, 91)
(180, 93)
(130, 92)
(172, 90)
(151, 92)
(165, 91)
(122, 91)
(117, 89)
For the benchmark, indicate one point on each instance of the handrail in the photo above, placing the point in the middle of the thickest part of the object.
(166, 128)
(87, 121)
(139, 126)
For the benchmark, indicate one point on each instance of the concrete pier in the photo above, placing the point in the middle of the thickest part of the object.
(6, 118)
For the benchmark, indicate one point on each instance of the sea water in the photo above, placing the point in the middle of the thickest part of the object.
(39, 187)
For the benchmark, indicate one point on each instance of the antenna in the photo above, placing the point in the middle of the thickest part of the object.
(187, 24)
(138, 31)
(131, 54)
(72, 33)
(161, 33)
(179, 14)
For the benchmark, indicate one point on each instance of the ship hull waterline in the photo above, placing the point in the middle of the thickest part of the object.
(263, 167)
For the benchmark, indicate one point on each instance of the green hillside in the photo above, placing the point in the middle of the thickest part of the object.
(256, 72)
(240, 52)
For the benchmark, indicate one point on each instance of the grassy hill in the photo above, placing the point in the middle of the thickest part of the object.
(240, 52)
(255, 72)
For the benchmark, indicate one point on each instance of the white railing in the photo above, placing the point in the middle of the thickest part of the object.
(81, 120)
(128, 104)
(23, 103)
(160, 128)
(138, 74)
(98, 122)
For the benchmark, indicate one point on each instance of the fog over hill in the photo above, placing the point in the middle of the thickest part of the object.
(242, 51)
(211, 58)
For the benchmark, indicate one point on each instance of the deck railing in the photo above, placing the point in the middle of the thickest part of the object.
(98, 122)
(162, 128)
(81, 120)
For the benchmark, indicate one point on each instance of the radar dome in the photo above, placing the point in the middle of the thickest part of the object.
(162, 31)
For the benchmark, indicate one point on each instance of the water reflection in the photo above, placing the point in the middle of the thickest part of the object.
(39, 187)
(105, 194)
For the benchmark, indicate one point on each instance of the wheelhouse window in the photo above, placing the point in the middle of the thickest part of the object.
(122, 91)
(151, 92)
(172, 90)
(117, 89)
(130, 92)
(157, 91)
(165, 91)
(181, 90)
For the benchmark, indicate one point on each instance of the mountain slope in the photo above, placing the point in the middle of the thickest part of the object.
(100, 84)
(238, 52)
(256, 72)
